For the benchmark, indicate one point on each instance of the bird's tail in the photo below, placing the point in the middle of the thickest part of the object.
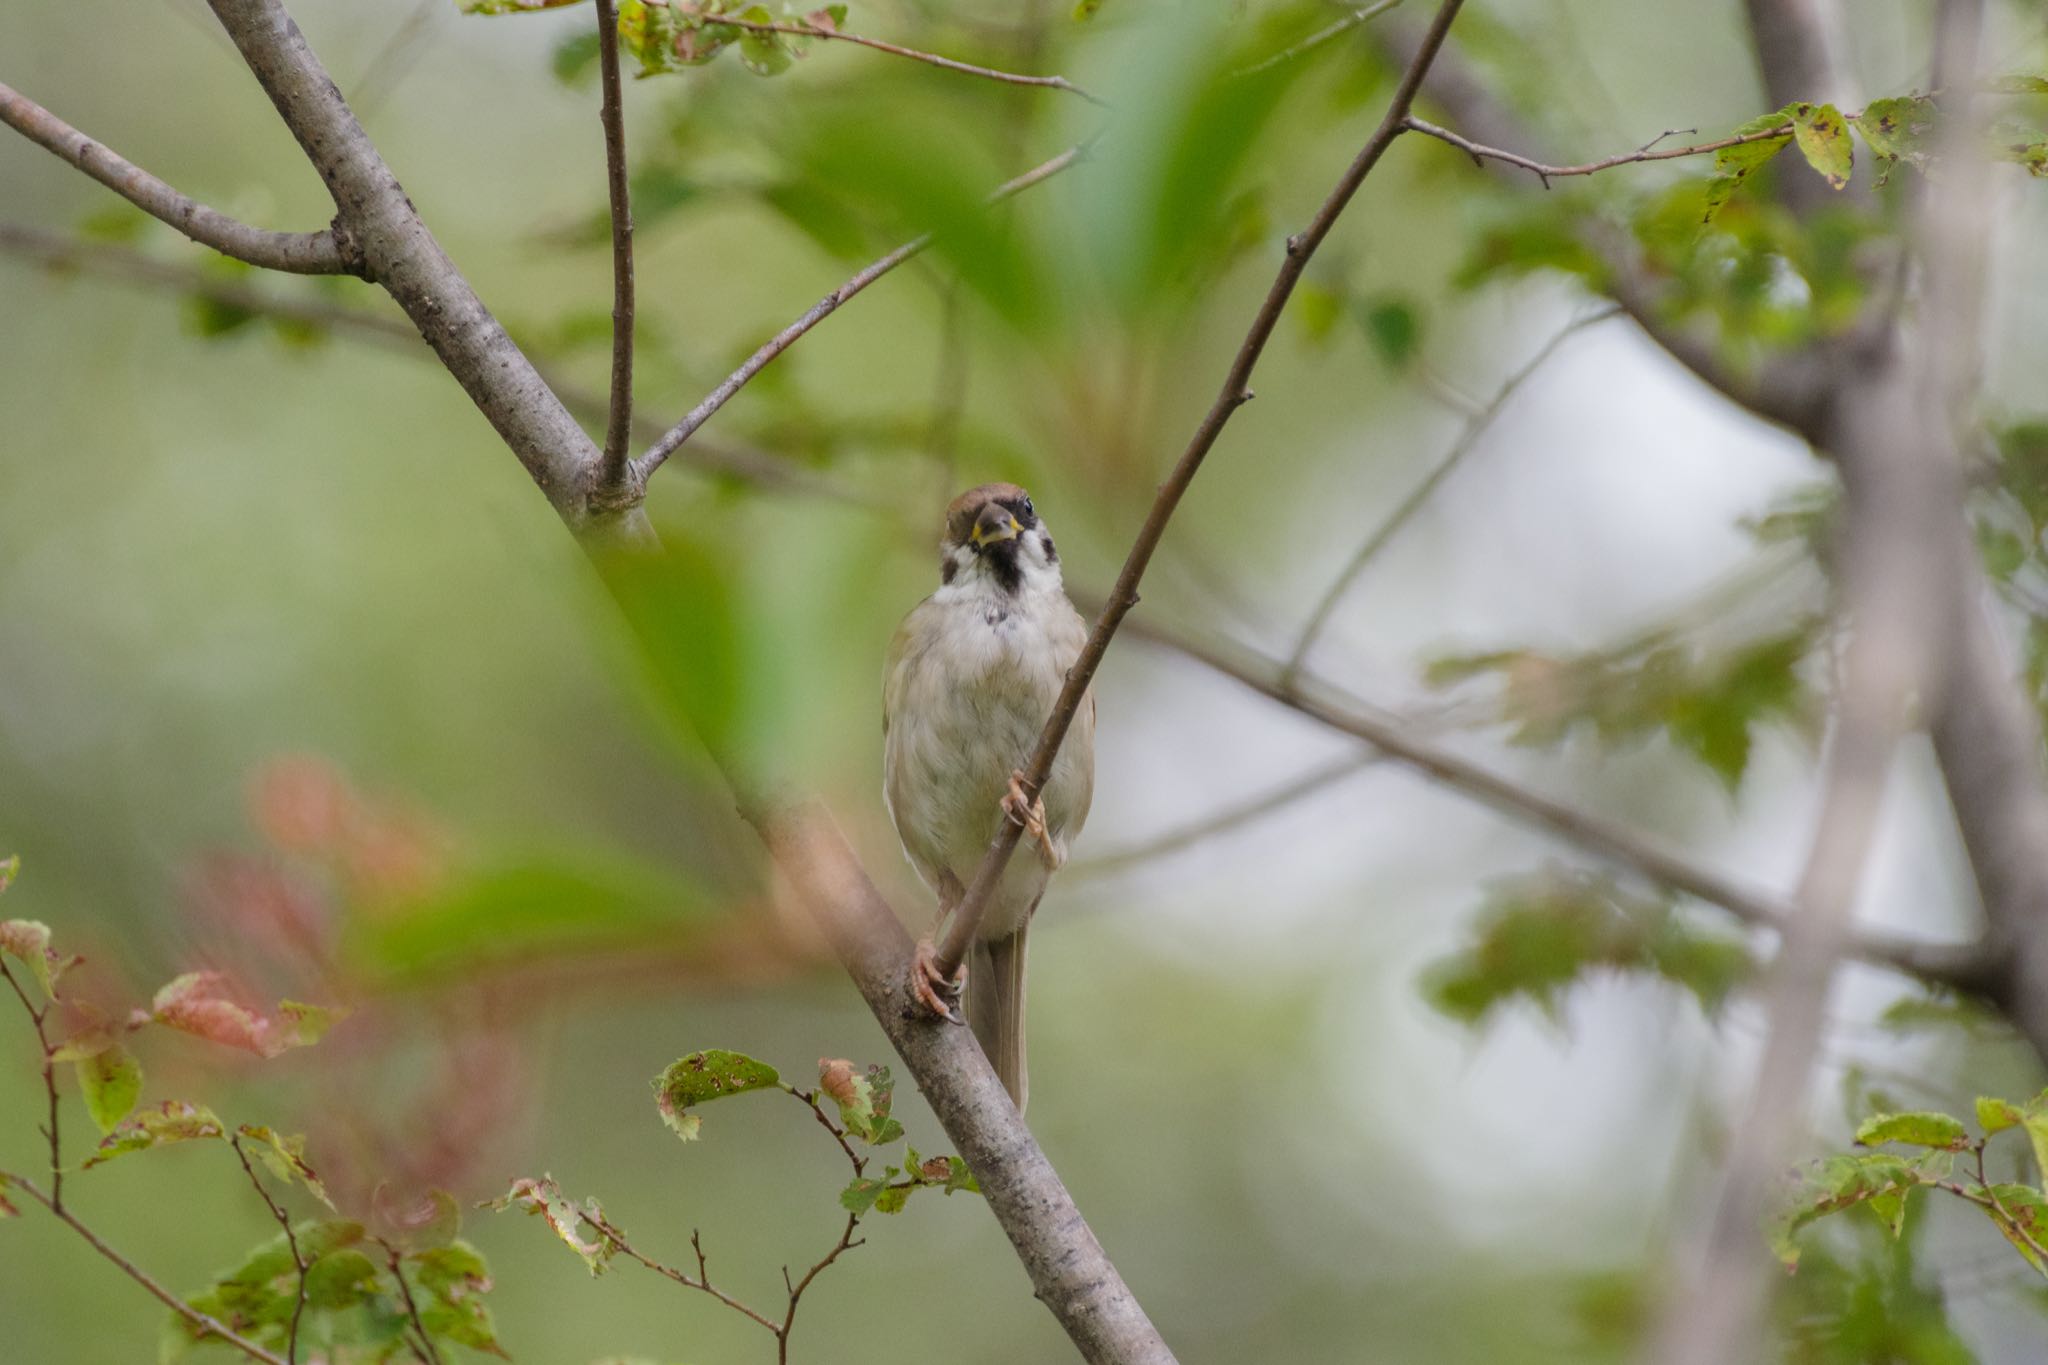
(995, 1008)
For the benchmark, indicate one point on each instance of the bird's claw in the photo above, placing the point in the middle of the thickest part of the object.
(933, 990)
(1029, 814)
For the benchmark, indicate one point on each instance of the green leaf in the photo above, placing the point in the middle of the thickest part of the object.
(2027, 1211)
(1823, 138)
(1995, 1116)
(1843, 1182)
(648, 32)
(545, 1198)
(456, 1279)
(705, 1076)
(111, 1081)
(2016, 85)
(574, 58)
(1734, 165)
(860, 1196)
(1395, 329)
(1541, 932)
(339, 1279)
(1899, 129)
(286, 1159)
(157, 1126)
(1919, 1129)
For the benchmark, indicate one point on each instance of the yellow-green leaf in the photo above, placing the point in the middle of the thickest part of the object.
(1823, 137)
(111, 1081)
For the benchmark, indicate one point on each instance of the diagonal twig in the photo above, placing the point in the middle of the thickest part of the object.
(612, 473)
(1318, 38)
(291, 1239)
(1479, 152)
(811, 30)
(817, 313)
(1236, 391)
(206, 1324)
(300, 253)
(1476, 425)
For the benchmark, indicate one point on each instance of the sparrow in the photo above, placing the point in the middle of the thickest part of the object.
(972, 674)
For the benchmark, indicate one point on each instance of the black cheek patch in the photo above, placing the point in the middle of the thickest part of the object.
(948, 568)
(1052, 556)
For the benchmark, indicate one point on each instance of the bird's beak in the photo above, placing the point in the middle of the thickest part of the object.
(994, 524)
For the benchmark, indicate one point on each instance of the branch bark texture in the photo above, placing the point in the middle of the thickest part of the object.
(400, 254)
(1070, 1272)
(300, 253)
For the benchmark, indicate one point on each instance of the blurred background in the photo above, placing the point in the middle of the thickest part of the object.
(300, 680)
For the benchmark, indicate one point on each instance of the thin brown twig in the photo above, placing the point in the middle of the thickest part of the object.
(207, 1324)
(818, 312)
(809, 30)
(1209, 826)
(49, 1131)
(1481, 153)
(300, 253)
(1476, 425)
(1235, 392)
(612, 472)
(847, 1242)
(428, 1353)
(2012, 1226)
(700, 1281)
(291, 1238)
(1318, 38)
(63, 252)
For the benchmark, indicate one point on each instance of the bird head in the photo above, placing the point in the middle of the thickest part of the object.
(994, 535)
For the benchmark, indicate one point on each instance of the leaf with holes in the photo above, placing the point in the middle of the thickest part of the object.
(702, 1077)
(157, 1126)
(545, 1198)
(285, 1156)
(1734, 165)
(1918, 1129)
(1899, 129)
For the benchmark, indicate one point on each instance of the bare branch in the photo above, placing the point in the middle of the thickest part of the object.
(700, 1281)
(811, 30)
(50, 1129)
(300, 253)
(613, 473)
(401, 255)
(428, 1353)
(818, 312)
(1068, 1268)
(1547, 173)
(205, 1323)
(1940, 964)
(1319, 37)
(1476, 425)
(1229, 818)
(965, 921)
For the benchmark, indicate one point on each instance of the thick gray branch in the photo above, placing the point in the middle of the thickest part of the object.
(400, 254)
(1070, 1272)
(301, 253)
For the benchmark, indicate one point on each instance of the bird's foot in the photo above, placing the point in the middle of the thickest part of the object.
(1029, 814)
(933, 990)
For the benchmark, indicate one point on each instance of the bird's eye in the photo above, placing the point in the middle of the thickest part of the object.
(1029, 513)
